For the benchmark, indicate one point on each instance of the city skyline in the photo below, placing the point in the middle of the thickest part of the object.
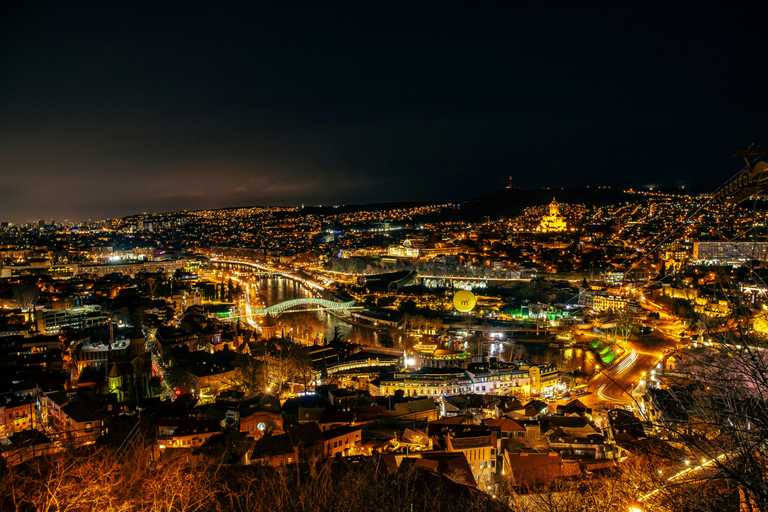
(109, 112)
(507, 348)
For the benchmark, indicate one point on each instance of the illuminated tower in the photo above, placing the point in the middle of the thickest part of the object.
(115, 382)
(552, 223)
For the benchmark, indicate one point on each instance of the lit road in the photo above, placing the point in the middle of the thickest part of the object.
(611, 386)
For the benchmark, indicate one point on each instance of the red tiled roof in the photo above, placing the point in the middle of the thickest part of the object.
(505, 425)
(533, 469)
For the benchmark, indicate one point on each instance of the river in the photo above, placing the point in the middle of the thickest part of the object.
(313, 325)
(308, 324)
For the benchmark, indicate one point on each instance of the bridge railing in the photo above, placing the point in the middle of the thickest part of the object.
(276, 309)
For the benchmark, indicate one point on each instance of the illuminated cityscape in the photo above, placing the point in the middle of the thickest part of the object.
(314, 258)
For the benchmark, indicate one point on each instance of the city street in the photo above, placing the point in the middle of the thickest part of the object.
(614, 385)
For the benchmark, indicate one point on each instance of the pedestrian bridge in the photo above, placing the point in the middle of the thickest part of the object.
(255, 269)
(281, 307)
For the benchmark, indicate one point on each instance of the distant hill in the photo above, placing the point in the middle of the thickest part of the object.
(371, 207)
(509, 202)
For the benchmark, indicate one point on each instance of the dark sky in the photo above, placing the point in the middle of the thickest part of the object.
(114, 108)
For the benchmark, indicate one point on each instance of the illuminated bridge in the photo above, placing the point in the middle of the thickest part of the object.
(256, 270)
(277, 309)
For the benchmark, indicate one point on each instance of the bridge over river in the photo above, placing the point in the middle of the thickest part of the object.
(299, 305)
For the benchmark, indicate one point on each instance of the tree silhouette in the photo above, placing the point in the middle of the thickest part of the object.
(26, 295)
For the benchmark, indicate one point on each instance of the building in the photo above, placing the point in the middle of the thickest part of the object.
(260, 415)
(184, 433)
(52, 321)
(432, 357)
(407, 250)
(426, 382)
(528, 471)
(552, 223)
(304, 442)
(131, 269)
(505, 428)
(480, 452)
(369, 358)
(99, 354)
(420, 410)
(604, 302)
(729, 253)
(342, 440)
(544, 378)
(16, 414)
(601, 301)
(86, 421)
(436, 382)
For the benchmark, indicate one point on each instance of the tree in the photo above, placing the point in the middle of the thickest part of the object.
(153, 285)
(181, 380)
(26, 295)
(719, 413)
(250, 375)
(280, 364)
(107, 478)
(385, 340)
(337, 337)
(302, 361)
(474, 344)
(616, 489)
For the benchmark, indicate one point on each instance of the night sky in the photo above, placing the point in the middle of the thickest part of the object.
(113, 108)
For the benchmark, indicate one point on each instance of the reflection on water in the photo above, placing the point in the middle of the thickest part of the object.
(316, 324)
(274, 290)
(567, 359)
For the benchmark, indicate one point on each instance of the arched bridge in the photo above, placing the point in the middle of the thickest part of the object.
(276, 309)
(255, 269)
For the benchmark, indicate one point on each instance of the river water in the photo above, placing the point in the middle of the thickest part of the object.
(276, 289)
(316, 324)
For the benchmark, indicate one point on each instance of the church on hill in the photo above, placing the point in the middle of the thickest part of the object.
(552, 223)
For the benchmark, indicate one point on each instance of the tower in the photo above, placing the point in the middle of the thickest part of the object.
(552, 222)
(115, 382)
(554, 208)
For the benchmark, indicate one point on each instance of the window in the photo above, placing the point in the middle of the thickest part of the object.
(88, 427)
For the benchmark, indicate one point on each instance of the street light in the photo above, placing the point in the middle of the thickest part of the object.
(635, 506)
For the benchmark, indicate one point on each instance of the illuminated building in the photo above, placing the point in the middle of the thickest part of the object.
(407, 250)
(729, 253)
(51, 321)
(552, 223)
(760, 323)
(440, 358)
(543, 377)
